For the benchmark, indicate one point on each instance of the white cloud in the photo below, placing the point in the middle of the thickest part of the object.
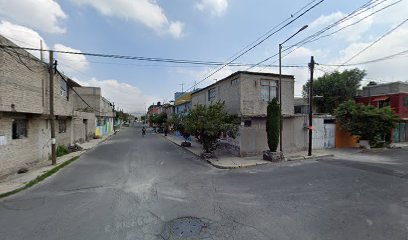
(215, 7)
(124, 95)
(23, 37)
(351, 32)
(390, 70)
(75, 61)
(176, 29)
(44, 15)
(325, 20)
(147, 12)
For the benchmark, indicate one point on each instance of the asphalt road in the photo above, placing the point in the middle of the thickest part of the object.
(133, 187)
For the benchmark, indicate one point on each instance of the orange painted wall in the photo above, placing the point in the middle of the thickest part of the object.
(344, 139)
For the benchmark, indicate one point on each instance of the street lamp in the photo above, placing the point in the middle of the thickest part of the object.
(280, 83)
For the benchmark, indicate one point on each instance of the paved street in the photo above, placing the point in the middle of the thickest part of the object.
(132, 187)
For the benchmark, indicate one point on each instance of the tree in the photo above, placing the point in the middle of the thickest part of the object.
(207, 124)
(179, 123)
(273, 124)
(367, 122)
(335, 88)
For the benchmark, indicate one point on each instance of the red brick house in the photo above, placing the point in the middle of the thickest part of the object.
(393, 94)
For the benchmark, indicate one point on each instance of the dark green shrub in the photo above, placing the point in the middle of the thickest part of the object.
(273, 124)
(62, 150)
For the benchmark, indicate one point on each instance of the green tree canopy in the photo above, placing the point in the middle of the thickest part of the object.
(367, 122)
(179, 123)
(335, 88)
(207, 123)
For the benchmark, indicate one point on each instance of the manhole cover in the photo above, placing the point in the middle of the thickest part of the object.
(186, 227)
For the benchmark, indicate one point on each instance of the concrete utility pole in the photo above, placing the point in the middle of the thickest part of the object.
(52, 117)
(280, 86)
(311, 66)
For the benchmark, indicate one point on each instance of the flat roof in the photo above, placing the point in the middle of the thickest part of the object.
(247, 73)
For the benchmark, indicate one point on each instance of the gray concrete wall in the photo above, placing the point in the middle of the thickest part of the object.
(91, 95)
(25, 84)
(17, 153)
(64, 138)
(388, 88)
(227, 91)
(253, 139)
(244, 97)
(83, 125)
(20, 86)
(251, 102)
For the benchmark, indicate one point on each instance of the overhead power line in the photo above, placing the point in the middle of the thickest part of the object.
(376, 41)
(150, 59)
(257, 44)
(389, 57)
(311, 38)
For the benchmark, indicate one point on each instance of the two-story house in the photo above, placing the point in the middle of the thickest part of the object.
(246, 94)
(90, 99)
(395, 95)
(25, 134)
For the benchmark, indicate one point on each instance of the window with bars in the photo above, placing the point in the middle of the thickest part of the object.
(19, 130)
(269, 90)
(211, 94)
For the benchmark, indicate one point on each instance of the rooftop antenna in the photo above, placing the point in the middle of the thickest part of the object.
(182, 87)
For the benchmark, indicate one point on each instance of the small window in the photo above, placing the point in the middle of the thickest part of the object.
(63, 88)
(211, 94)
(19, 128)
(269, 90)
(406, 101)
(234, 81)
(247, 123)
(62, 125)
(385, 103)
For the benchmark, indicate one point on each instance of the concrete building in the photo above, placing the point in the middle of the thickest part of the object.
(89, 99)
(247, 94)
(25, 137)
(182, 102)
(393, 94)
(301, 106)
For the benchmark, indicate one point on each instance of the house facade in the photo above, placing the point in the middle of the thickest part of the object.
(246, 94)
(182, 102)
(90, 99)
(25, 131)
(393, 94)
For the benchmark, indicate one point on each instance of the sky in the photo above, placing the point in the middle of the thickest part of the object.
(207, 30)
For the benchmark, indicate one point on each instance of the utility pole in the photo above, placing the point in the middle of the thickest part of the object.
(311, 67)
(280, 99)
(52, 117)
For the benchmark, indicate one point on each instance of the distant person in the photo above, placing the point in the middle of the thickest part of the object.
(143, 131)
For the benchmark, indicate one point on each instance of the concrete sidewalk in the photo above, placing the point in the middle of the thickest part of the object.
(222, 160)
(229, 161)
(16, 181)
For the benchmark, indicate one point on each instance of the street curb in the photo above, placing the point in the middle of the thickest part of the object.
(235, 167)
(210, 162)
(300, 158)
(41, 177)
(50, 172)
